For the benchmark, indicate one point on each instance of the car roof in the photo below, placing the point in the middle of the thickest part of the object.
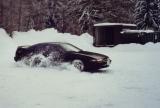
(59, 43)
(56, 43)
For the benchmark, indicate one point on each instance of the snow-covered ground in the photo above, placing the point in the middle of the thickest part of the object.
(132, 81)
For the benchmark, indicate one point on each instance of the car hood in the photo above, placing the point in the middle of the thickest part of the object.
(92, 54)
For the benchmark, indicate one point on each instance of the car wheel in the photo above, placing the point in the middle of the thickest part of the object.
(78, 64)
(37, 61)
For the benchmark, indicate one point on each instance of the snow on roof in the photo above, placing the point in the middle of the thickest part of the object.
(113, 24)
(137, 31)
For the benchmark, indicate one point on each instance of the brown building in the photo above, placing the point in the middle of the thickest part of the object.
(109, 34)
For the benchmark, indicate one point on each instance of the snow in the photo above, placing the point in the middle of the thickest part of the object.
(113, 24)
(132, 81)
(137, 31)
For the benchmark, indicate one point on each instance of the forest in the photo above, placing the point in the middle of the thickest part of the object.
(70, 16)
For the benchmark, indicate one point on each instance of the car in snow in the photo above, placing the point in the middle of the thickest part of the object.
(58, 52)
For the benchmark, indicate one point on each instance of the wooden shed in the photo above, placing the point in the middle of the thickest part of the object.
(109, 34)
(140, 36)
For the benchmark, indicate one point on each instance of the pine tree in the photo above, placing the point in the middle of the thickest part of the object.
(73, 16)
(147, 14)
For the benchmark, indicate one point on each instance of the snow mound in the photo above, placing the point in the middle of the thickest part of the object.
(51, 35)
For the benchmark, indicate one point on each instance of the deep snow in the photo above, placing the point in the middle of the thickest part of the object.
(132, 80)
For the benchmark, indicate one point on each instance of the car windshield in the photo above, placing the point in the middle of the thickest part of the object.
(69, 47)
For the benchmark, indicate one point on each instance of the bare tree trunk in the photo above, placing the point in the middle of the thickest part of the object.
(20, 15)
(1, 12)
(10, 21)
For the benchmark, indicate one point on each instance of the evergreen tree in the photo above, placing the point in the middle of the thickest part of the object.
(147, 14)
(73, 16)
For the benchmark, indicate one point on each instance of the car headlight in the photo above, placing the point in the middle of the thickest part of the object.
(97, 60)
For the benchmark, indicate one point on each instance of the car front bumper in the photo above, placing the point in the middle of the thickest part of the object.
(99, 64)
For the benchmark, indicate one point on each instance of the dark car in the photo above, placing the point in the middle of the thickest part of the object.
(62, 52)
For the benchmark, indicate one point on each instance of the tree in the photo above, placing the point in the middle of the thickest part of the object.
(1, 13)
(147, 14)
(85, 13)
(72, 16)
(20, 15)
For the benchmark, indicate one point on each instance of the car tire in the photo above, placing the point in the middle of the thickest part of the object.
(78, 64)
(37, 61)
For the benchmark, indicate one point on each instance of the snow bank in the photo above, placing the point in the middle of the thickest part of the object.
(7, 48)
(113, 24)
(85, 41)
(51, 35)
(136, 31)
